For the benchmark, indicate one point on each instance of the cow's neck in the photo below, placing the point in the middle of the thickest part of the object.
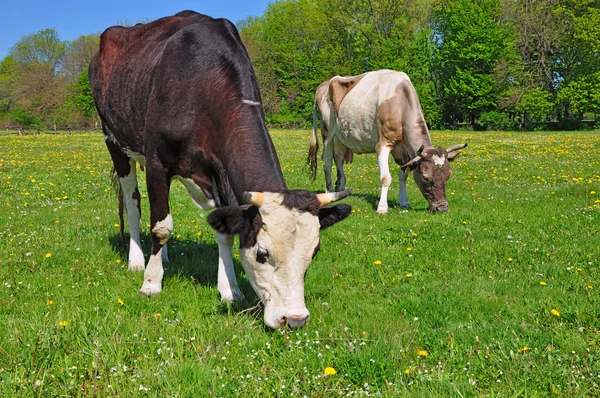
(417, 135)
(254, 165)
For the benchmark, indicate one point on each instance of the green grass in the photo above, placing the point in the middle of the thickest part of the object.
(463, 288)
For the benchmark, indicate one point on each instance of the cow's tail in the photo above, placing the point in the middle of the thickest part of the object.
(314, 145)
(116, 183)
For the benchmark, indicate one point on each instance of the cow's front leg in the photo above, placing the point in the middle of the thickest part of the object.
(161, 227)
(383, 153)
(402, 198)
(226, 280)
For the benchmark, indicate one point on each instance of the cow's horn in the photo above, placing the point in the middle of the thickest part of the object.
(420, 150)
(329, 197)
(456, 147)
(254, 198)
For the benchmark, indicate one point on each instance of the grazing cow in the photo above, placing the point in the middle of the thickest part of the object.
(179, 97)
(380, 112)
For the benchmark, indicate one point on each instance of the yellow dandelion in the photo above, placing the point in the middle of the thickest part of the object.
(524, 349)
(510, 259)
(408, 249)
(364, 334)
(422, 353)
(407, 371)
(593, 193)
(589, 287)
(409, 275)
(48, 255)
(120, 301)
(63, 323)
(200, 234)
(543, 283)
(377, 262)
(49, 302)
(118, 261)
(329, 371)
(157, 315)
(555, 312)
(117, 225)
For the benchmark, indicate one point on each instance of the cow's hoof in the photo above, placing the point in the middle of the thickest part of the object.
(136, 267)
(382, 210)
(232, 296)
(150, 289)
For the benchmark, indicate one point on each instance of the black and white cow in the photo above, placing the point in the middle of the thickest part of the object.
(179, 96)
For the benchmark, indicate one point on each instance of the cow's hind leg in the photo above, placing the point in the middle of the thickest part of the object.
(383, 153)
(227, 282)
(161, 225)
(125, 169)
(402, 197)
(339, 156)
(328, 162)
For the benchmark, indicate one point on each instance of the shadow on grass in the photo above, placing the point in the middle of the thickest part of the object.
(373, 200)
(193, 260)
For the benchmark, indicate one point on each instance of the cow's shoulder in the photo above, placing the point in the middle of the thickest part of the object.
(339, 87)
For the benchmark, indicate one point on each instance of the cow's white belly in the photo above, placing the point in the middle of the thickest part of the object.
(357, 127)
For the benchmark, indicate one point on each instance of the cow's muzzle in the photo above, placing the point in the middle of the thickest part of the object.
(439, 207)
(295, 320)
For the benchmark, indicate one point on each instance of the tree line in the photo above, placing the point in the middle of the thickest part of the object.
(44, 84)
(482, 64)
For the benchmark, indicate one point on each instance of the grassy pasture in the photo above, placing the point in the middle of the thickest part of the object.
(497, 297)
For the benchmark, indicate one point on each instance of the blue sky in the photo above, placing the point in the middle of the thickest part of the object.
(72, 18)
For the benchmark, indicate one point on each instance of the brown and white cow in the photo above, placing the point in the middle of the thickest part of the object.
(380, 112)
(179, 96)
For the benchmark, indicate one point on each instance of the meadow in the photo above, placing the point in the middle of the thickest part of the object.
(497, 297)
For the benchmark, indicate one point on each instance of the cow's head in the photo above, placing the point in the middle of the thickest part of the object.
(431, 170)
(279, 236)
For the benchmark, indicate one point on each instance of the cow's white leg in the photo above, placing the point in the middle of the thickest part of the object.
(226, 280)
(328, 163)
(383, 153)
(154, 271)
(131, 197)
(402, 198)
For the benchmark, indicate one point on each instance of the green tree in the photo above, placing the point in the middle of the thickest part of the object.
(78, 55)
(42, 47)
(472, 41)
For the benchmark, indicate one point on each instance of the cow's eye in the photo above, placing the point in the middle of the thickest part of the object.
(262, 255)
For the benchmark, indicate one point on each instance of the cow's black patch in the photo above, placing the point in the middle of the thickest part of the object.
(331, 214)
(302, 200)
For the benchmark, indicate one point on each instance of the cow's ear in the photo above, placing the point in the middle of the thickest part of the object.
(453, 155)
(228, 220)
(331, 214)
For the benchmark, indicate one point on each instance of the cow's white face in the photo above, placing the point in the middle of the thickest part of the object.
(277, 263)
(279, 236)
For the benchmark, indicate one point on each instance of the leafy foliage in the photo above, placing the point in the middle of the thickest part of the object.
(526, 64)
